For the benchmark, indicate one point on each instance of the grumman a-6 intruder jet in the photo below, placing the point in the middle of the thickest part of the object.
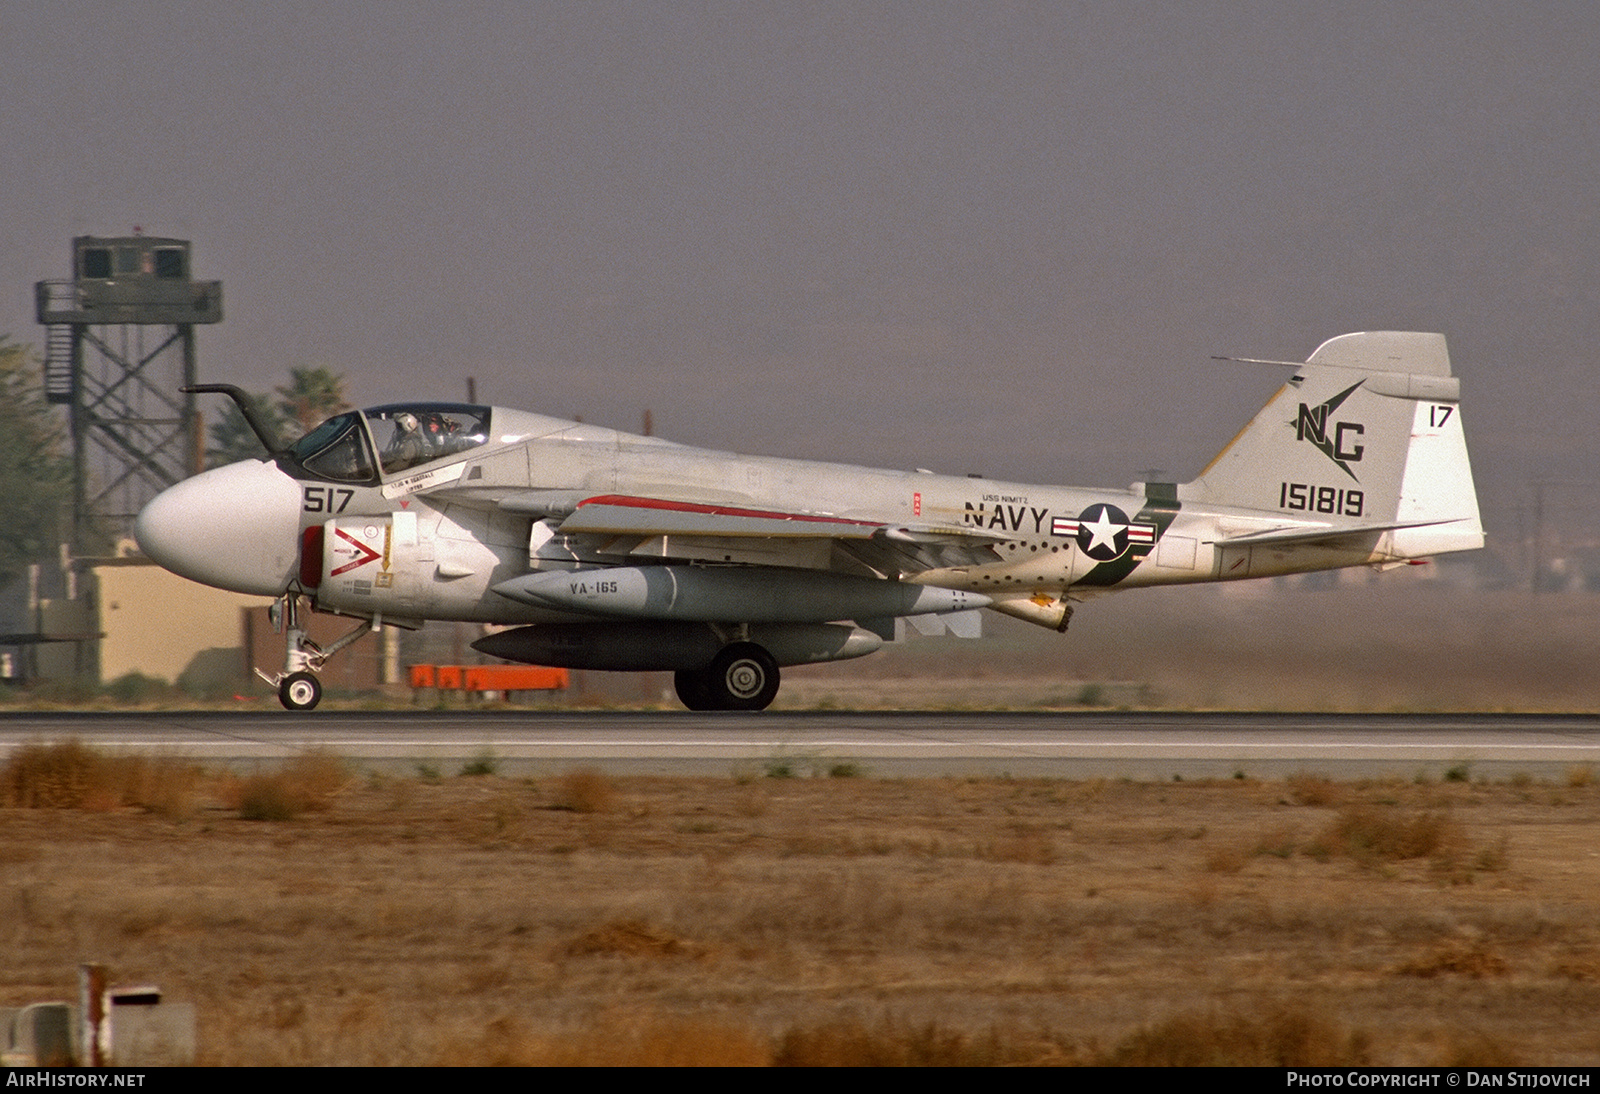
(604, 550)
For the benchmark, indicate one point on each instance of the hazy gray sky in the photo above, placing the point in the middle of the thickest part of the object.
(1000, 237)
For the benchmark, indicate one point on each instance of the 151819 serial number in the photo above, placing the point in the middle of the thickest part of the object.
(1308, 498)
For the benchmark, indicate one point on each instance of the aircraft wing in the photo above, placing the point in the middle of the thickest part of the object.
(607, 527)
(619, 514)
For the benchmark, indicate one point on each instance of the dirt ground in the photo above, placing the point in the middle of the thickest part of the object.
(754, 919)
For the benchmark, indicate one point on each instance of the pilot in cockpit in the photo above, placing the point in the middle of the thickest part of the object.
(408, 446)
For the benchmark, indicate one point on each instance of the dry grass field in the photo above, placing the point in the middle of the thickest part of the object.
(579, 918)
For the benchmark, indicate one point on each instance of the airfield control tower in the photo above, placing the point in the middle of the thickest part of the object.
(120, 344)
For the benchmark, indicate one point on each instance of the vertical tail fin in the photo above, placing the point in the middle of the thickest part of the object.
(1368, 434)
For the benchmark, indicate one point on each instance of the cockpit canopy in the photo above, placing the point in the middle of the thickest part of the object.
(364, 446)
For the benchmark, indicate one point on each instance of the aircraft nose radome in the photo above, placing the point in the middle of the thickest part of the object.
(237, 528)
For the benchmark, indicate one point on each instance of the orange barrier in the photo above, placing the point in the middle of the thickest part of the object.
(489, 677)
(514, 678)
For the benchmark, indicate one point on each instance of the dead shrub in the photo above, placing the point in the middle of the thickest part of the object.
(1314, 790)
(630, 937)
(305, 784)
(1203, 893)
(164, 786)
(1477, 1049)
(1225, 860)
(1494, 858)
(1473, 961)
(58, 776)
(1371, 835)
(503, 816)
(1278, 843)
(1292, 1038)
(852, 1043)
(1584, 968)
(317, 775)
(72, 775)
(752, 801)
(268, 798)
(612, 1040)
(1026, 843)
(585, 790)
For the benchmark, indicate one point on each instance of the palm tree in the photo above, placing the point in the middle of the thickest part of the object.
(35, 472)
(233, 440)
(312, 396)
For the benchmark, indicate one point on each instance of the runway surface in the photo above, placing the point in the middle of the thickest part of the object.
(1065, 745)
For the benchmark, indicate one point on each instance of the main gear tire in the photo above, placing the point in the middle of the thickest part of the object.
(693, 690)
(743, 676)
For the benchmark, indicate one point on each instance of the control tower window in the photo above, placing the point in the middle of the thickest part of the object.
(169, 263)
(96, 262)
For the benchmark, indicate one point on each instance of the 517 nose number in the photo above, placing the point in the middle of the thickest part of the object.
(327, 499)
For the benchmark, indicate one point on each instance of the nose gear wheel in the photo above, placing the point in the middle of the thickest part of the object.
(297, 685)
(300, 691)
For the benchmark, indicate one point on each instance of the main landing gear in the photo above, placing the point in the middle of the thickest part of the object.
(298, 686)
(741, 677)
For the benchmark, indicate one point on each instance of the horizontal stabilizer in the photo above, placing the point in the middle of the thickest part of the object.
(1303, 534)
(1412, 352)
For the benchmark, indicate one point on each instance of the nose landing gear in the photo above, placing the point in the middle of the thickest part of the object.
(297, 685)
(300, 691)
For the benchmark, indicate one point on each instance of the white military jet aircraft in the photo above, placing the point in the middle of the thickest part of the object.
(605, 550)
